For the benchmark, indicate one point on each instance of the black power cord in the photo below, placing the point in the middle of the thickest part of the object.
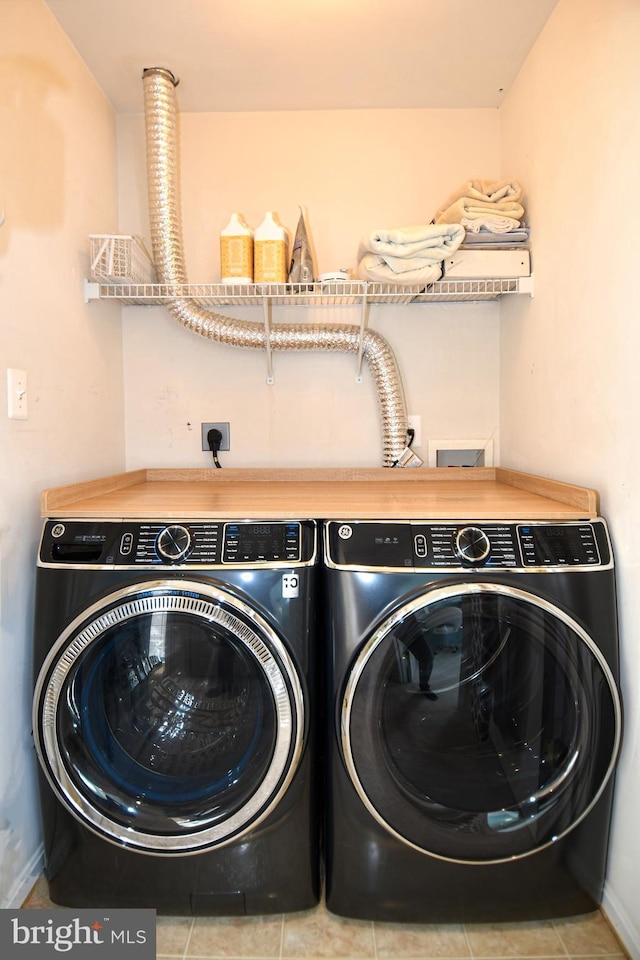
(214, 439)
(410, 438)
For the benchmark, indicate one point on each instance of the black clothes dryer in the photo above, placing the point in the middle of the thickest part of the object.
(474, 718)
(174, 714)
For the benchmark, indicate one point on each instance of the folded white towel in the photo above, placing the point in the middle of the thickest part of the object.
(430, 242)
(467, 208)
(490, 222)
(401, 272)
(490, 191)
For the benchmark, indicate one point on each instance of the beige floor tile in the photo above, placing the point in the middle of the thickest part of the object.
(318, 933)
(39, 896)
(398, 941)
(236, 937)
(172, 935)
(495, 940)
(588, 935)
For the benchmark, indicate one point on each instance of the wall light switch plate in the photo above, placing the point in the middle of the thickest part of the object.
(17, 394)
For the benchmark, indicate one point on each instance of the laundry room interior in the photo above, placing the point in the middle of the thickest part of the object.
(542, 381)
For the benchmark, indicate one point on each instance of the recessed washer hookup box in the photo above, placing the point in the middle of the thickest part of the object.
(472, 264)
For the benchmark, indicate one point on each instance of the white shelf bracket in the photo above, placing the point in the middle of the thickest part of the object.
(91, 290)
(266, 308)
(525, 285)
(364, 320)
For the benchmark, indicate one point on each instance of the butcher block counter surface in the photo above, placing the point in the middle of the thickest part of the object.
(478, 493)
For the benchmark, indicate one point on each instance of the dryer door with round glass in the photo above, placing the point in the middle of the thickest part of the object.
(479, 723)
(169, 717)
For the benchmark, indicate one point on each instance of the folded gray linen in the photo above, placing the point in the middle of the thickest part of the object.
(487, 238)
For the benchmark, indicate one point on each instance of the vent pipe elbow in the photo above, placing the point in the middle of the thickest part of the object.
(166, 239)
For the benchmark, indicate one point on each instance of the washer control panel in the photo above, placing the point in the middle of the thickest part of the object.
(189, 544)
(455, 545)
(467, 545)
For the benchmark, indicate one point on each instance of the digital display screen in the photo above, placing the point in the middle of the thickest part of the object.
(261, 542)
(568, 544)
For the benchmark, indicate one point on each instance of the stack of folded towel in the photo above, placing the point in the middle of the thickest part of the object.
(494, 204)
(408, 256)
(491, 213)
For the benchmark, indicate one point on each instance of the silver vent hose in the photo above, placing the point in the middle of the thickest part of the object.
(166, 238)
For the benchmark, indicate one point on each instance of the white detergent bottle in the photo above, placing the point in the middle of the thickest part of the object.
(270, 251)
(236, 251)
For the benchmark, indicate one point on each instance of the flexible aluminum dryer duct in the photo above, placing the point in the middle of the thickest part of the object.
(166, 237)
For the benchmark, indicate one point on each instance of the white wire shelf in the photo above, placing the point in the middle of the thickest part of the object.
(344, 293)
(336, 294)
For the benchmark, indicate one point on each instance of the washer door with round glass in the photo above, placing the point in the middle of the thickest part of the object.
(169, 717)
(480, 723)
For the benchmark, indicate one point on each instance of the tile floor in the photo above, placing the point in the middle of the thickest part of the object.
(317, 934)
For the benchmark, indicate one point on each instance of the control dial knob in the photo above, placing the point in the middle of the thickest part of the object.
(173, 543)
(472, 545)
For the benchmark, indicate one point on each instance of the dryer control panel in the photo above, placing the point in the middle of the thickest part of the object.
(198, 543)
(465, 545)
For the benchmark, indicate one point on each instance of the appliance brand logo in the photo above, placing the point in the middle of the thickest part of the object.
(47, 933)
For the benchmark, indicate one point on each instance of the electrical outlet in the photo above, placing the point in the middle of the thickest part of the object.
(225, 443)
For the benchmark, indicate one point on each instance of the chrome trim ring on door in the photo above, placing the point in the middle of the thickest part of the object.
(422, 602)
(200, 600)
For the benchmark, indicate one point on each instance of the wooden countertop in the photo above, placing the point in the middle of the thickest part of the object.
(478, 493)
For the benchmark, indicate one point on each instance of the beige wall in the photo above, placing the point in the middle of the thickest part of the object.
(57, 184)
(355, 171)
(569, 386)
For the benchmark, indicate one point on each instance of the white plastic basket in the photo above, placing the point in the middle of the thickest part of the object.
(117, 258)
